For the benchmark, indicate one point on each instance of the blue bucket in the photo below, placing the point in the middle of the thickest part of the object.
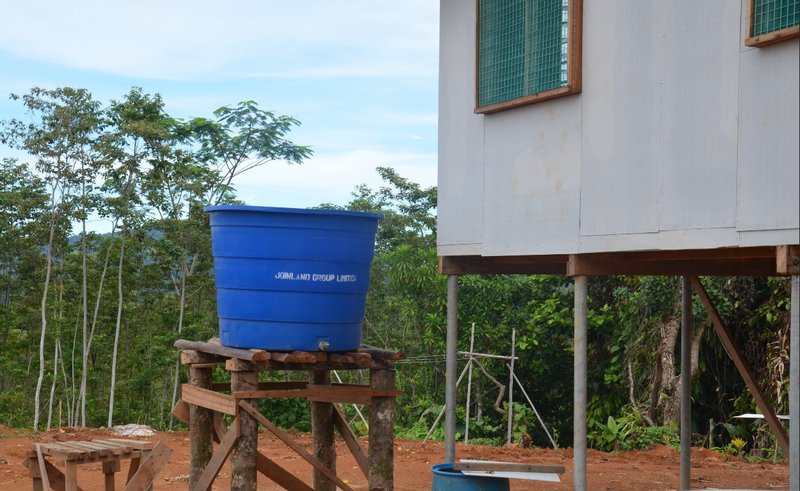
(291, 279)
(445, 478)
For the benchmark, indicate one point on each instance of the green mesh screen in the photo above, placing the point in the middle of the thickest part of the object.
(774, 15)
(522, 48)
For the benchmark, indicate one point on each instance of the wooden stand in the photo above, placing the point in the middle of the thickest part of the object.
(146, 462)
(203, 405)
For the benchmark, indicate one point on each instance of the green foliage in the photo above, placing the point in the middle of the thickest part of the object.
(291, 412)
(629, 432)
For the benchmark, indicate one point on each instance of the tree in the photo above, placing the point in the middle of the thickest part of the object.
(241, 138)
(60, 137)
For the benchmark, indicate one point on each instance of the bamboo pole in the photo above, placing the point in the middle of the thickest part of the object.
(469, 383)
(511, 386)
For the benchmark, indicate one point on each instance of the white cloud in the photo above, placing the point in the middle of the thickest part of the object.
(182, 39)
(331, 178)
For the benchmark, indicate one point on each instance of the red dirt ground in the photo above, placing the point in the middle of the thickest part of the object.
(657, 468)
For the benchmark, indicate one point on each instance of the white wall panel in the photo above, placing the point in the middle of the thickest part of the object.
(621, 117)
(460, 132)
(769, 152)
(698, 62)
(532, 179)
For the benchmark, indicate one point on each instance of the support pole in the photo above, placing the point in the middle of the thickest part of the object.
(200, 428)
(322, 433)
(450, 370)
(243, 460)
(794, 386)
(381, 432)
(579, 396)
(686, 382)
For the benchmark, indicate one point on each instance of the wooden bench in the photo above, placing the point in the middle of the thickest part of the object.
(146, 462)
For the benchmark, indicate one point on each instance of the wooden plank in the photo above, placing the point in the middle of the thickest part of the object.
(149, 469)
(299, 357)
(237, 365)
(507, 467)
(226, 387)
(193, 357)
(215, 464)
(601, 265)
(264, 464)
(218, 349)
(382, 354)
(281, 476)
(208, 399)
(114, 448)
(459, 265)
(350, 440)
(786, 34)
(787, 259)
(341, 358)
(137, 444)
(87, 450)
(42, 467)
(181, 411)
(726, 337)
(285, 438)
(61, 450)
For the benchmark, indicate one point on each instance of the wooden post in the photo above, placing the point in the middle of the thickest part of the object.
(322, 425)
(110, 467)
(200, 429)
(243, 459)
(381, 432)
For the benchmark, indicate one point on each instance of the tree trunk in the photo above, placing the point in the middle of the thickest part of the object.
(46, 289)
(665, 397)
(53, 388)
(113, 387)
(84, 304)
(186, 273)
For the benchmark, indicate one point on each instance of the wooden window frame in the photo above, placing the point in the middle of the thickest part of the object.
(785, 34)
(574, 62)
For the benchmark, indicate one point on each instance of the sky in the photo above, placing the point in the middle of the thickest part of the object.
(360, 76)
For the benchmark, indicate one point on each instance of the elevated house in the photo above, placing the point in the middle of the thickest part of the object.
(621, 137)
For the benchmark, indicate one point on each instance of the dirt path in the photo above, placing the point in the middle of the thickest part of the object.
(657, 468)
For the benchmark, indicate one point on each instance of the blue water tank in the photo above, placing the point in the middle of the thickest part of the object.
(445, 478)
(291, 279)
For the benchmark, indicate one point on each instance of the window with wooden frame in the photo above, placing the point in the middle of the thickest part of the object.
(772, 21)
(527, 51)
